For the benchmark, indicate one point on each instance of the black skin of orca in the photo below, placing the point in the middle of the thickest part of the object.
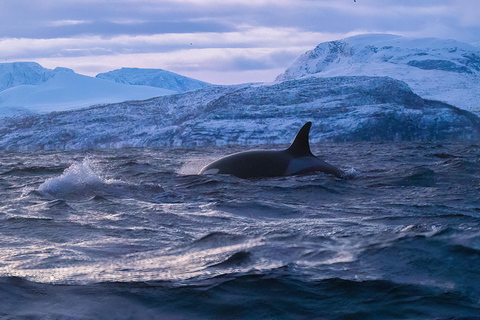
(297, 159)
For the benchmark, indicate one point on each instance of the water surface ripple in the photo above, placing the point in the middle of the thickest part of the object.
(135, 233)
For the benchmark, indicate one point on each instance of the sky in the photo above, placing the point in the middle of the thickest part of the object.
(218, 41)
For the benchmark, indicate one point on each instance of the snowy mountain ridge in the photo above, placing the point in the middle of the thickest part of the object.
(154, 78)
(68, 91)
(445, 70)
(27, 87)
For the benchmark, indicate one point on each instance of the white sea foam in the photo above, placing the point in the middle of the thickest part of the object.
(80, 179)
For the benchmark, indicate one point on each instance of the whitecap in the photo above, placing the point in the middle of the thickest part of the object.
(78, 180)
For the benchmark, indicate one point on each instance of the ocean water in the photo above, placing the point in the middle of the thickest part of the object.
(136, 234)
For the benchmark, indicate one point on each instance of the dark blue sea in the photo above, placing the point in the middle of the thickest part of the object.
(137, 234)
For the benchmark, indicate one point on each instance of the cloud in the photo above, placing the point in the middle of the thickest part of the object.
(261, 52)
(247, 37)
(51, 19)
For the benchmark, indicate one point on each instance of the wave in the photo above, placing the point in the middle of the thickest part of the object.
(235, 260)
(258, 209)
(125, 235)
(216, 239)
(418, 177)
(33, 170)
(83, 180)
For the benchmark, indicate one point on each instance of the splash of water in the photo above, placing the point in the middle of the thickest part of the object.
(80, 179)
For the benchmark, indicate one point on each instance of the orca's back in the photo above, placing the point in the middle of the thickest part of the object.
(251, 164)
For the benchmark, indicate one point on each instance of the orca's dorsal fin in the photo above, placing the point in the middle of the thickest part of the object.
(300, 147)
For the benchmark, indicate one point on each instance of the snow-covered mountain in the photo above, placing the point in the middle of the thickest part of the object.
(445, 70)
(68, 90)
(19, 73)
(341, 108)
(154, 78)
(27, 87)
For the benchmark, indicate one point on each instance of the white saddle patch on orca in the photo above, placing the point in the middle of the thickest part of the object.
(211, 171)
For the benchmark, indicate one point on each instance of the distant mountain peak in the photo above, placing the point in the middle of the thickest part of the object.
(27, 87)
(25, 73)
(158, 78)
(426, 53)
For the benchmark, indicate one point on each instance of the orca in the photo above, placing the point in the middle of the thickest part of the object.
(297, 159)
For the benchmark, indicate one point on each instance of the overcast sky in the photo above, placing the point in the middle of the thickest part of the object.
(219, 41)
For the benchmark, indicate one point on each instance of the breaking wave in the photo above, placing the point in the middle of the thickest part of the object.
(78, 180)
